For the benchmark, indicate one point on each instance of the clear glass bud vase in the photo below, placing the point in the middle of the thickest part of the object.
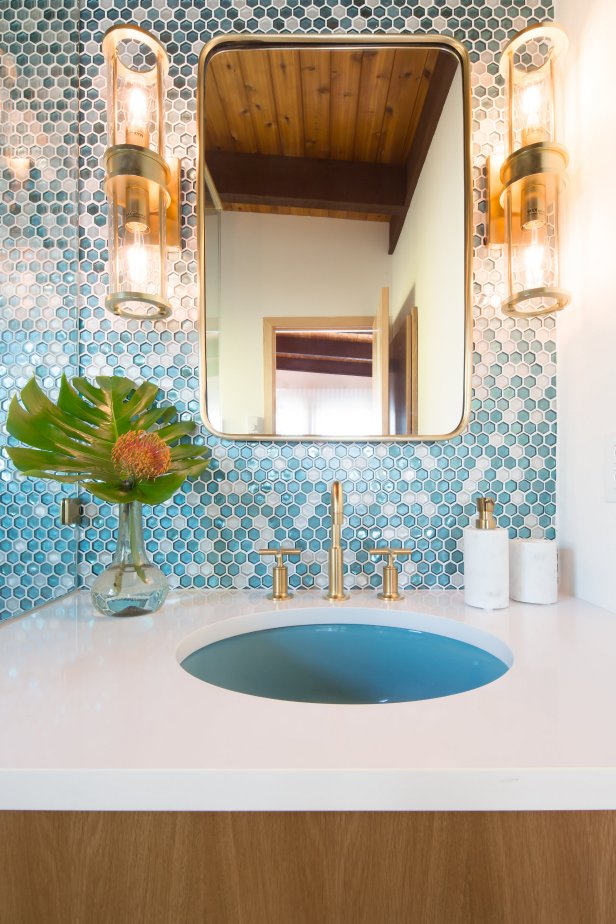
(131, 585)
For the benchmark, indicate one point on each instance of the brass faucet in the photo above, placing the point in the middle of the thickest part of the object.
(335, 561)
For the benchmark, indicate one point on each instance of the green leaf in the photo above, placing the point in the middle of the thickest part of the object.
(192, 469)
(139, 402)
(176, 430)
(187, 451)
(34, 400)
(118, 389)
(189, 469)
(96, 395)
(159, 490)
(44, 414)
(74, 438)
(156, 415)
(72, 403)
(111, 493)
(61, 479)
(118, 384)
(22, 426)
(26, 459)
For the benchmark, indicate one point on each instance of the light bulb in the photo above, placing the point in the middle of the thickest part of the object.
(137, 116)
(532, 105)
(136, 263)
(534, 259)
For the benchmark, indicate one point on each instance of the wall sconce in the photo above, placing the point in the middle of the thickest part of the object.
(143, 187)
(20, 165)
(16, 156)
(526, 186)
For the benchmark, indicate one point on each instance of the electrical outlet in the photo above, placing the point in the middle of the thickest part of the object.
(610, 469)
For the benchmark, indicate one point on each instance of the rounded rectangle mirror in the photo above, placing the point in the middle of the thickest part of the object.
(334, 213)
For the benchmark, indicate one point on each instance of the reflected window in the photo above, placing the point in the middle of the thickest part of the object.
(323, 382)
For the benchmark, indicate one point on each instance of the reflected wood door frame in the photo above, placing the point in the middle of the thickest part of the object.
(380, 362)
(271, 325)
(404, 347)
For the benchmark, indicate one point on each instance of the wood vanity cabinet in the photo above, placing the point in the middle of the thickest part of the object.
(307, 867)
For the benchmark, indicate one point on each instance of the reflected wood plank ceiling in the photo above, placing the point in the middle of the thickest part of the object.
(364, 107)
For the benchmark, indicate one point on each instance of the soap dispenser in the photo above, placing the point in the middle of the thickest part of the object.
(486, 560)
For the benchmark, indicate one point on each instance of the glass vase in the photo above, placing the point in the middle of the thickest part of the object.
(131, 585)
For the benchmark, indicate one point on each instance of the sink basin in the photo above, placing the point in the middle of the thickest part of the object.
(351, 662)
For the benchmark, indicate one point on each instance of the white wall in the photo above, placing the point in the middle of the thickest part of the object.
(434, 226)
(587, 327)
(286, 265)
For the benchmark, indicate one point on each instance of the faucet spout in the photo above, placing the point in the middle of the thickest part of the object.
(335, 560)
(337, 513)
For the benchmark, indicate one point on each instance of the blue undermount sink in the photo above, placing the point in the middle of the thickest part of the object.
(352, 661)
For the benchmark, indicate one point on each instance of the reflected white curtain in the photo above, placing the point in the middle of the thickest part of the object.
(325, 411)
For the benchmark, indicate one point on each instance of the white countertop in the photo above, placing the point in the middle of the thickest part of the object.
(96, 713)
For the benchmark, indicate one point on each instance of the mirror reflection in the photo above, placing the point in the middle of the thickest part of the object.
(335, 240)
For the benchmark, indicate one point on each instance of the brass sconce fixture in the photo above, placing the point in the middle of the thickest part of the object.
(526, 186)
(142, 185)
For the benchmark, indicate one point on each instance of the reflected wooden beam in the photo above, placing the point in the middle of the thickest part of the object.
(304, 182)
(323, 365)
(331, 352)
(440, 84)
(338, 348)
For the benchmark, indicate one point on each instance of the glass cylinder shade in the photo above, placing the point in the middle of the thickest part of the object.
(533, 173)
(137, 175)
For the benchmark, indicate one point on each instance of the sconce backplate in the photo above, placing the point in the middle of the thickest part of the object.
(174, 231)
(496, 213)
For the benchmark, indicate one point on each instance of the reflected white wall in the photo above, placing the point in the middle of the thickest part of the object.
(288, 266)
(428, 271)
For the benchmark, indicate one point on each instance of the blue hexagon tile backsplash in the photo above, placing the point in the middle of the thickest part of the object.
(256, 493)
(38, 269)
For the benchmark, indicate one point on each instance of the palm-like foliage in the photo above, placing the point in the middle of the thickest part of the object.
(73, 439)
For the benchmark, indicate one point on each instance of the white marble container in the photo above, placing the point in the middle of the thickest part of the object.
(486, 568)
(533, 571)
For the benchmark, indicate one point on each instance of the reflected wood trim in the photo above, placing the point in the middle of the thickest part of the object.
(403, 368)
(324, 365)
(307, 183)
(380, 362)
(307, 867)
(271, 325)
(428, 119)
(305, 213)
(413, 373)
(269, 374)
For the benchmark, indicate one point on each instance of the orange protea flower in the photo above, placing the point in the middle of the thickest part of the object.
(140, 456)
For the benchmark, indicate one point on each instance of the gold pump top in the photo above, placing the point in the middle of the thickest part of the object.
(485, 509)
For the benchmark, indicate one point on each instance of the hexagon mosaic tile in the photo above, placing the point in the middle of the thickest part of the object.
(38, 268)
(265, 493)
(256, 494)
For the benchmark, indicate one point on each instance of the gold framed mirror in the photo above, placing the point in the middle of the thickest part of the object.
(335, 221)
